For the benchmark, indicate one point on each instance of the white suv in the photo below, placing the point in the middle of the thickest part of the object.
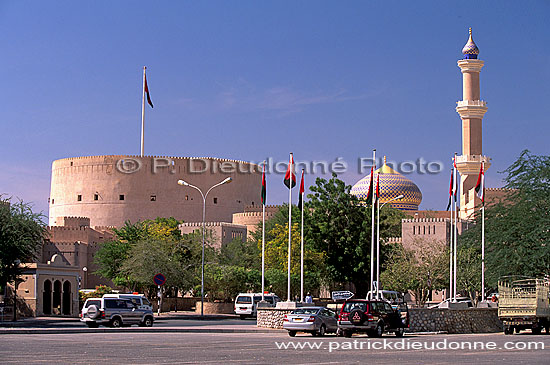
(138, 299)
(246, 303)
(114, 312)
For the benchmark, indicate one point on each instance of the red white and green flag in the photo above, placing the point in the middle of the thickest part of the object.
(480, 186)
(146, 89)
(377, 186)
(451, 188)
(290, 176)
(371, 187)
(263, 187)
(301, 197)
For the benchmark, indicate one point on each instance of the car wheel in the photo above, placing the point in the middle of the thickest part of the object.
(518, 330)
(536, 330)
(243, 316)
(508, 330)
(116, 322)
(147, 322)
(93, 311)
(322, 330)
(348, 333)
(292, 333)
(399, 332)
(92, 324)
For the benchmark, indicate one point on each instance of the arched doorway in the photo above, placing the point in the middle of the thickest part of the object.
(47, 298)
(57, 297)
(66, 298)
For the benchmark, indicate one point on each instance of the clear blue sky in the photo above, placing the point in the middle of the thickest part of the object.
(255, 79)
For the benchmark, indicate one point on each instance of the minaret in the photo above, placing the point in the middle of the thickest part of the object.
(471, 110)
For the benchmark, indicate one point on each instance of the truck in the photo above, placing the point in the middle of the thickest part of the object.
(524, 303)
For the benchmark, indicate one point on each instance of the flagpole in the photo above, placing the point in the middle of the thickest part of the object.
(483, 233)
(451, 243)
(143, 113)
(372, 227)
(377, 242)
(289, 222)
(263, 241)
(455, 230)
(302, 249)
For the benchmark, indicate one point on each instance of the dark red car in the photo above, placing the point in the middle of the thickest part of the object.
(373, 317)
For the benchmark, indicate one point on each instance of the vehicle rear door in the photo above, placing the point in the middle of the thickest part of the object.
(393, 319)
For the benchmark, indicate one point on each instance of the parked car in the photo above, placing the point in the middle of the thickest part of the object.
(468, 301)
(373, 317)
(114, 312)
(314, 320)
(139, 299)
(246, 304)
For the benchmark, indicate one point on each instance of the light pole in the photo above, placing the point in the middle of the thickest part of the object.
(184, 183)
(85, 284)
(378, 241)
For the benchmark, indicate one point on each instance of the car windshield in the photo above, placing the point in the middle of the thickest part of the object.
(349, 306)
(244, 300)
(306, 311)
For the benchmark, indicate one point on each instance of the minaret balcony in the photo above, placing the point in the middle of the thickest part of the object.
(470, 109)
(470, 164)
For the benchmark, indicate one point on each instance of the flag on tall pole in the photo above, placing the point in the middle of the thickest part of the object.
(290, 182)
(145, 93)
(263, 231)
(369, 197)
(480, 189)
(377, 235)
(301, 206)
(301, 196)
(451, 188)
(480, 185)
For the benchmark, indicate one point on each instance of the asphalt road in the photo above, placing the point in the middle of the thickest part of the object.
(193, 348)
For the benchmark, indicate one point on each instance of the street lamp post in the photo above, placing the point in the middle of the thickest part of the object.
(378, 242)
(184, 183)
(85, 283)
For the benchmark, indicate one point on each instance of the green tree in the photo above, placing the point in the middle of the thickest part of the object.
(517, 237)
(21, 235)
(419, 270)
(340, 226)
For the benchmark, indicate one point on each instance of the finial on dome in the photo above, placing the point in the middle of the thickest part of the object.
(470, 50)
(384, 160)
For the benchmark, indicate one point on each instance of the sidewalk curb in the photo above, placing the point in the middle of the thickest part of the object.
(19, 331)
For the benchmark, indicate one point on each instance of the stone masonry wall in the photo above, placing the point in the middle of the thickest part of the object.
(473, 320)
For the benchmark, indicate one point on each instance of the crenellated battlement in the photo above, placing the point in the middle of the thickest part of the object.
(425, 220)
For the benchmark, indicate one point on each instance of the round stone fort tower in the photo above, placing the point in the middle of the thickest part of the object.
(113, 189)
(471, 110)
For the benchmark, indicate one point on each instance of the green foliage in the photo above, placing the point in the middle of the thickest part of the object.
(340, 226)
(21, 235)
(99, 291)
(239, 253)
(224, 282)
(517, 237)
(469, 271)
(410, 269)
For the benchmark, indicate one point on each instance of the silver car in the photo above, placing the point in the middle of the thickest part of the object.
(114, 312)
(314, 320)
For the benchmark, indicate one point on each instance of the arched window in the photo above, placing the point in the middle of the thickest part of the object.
(67, 297)
(47, 298)
(57, 297)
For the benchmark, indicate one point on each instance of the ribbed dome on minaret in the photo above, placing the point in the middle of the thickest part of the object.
(470, 50)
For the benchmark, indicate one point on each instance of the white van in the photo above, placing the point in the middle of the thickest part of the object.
(138, 299)
(393, 297)
(246, 303)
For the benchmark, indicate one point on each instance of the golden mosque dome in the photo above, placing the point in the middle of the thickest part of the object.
(392, 184)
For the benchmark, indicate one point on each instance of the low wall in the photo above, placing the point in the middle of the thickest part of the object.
(472, 320)
(271, 317)
(175, 304)
(215, 308)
